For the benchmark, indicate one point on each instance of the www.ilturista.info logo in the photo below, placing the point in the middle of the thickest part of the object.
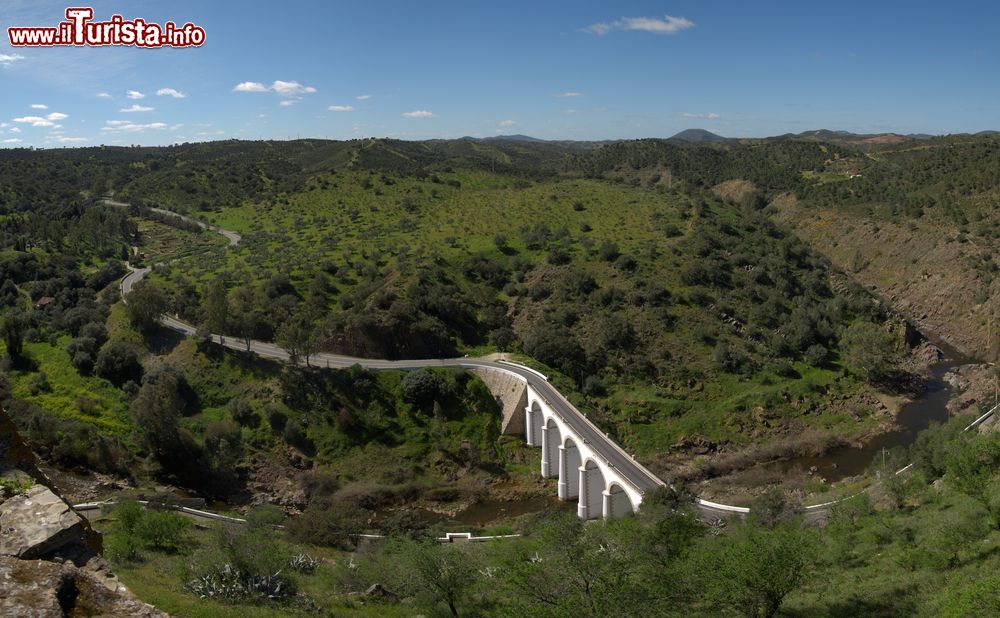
(80, 30)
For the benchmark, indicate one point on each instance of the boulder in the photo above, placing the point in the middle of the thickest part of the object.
(37, 523)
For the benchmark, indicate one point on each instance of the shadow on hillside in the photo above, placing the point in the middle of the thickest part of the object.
(899, 603)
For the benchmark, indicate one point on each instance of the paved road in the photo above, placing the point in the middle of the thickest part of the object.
(233, 238)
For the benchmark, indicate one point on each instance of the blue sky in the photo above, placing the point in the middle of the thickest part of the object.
(554, 70)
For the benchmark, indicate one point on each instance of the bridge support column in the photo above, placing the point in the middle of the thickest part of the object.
(546, 464)
(582, 507)
(529, 425)
(608, 505)
(568, 478)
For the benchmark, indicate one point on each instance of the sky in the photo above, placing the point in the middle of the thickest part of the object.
(553, 70)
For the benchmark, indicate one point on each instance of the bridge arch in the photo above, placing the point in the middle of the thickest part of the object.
(534, 420)
(569, 465)
(552, 438)
(592, 484)
(616, 502)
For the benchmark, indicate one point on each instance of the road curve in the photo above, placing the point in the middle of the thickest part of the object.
(634, 473)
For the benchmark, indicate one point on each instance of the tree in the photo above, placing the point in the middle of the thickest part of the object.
(435, 575)
(869, 347)
(243, 313)
(145, 305)
(423, 386)
(216, 309)
(157, 410)
(118, 363)
(13, 333)
(753, 570)
(298, 335)
(568, 568)
(330, 521)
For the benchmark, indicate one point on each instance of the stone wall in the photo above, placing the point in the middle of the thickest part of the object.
(512, 395)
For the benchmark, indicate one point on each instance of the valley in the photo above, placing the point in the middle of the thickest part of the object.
(704, 324)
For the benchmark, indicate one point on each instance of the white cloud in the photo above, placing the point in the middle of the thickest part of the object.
(564, 95)
(508, 123)
(71, 140)
(341, 108)
(135, 95)
(667, 25)
(250, 87)
(12, 140)
(708, 116)
(170, 92)
(15, 129)
(288, 89)
(8, 59)
(363, 97)
(36, 121)
(283, 88)
(56, 116)
(136, 108)
(103, 95)
(420, 113)
(39, 106)
(131, 127)
(288, 102)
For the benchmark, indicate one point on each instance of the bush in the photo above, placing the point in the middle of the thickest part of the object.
(423, 387)
(244, 564)
(242, 412)
(139, 529)
(265, 516)
(276, 418)
(296, 436)
(330, 521)
(118, 363)
(162, 530)
(816, 355)
(83, 362)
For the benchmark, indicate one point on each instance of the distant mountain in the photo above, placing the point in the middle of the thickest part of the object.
(698, 136)
(846, 137)
(512, 138)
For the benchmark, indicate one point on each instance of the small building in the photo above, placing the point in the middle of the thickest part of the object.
(44, 302)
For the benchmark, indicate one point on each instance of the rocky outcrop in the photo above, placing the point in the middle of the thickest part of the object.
(40, 589)
(50, 563)
(37, 523)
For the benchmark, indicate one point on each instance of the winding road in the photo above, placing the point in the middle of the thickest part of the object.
(634, 473)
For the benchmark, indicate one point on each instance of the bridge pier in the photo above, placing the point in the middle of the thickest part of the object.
(546, 464)
(615, 503)
(529, 426)
(591, 489)
(583, 504)
(569, 479)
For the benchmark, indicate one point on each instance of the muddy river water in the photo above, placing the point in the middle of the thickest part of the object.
(914, 417)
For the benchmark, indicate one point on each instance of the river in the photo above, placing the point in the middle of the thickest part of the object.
(914, 417)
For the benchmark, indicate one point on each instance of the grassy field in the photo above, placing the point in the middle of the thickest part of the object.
(66, 393)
